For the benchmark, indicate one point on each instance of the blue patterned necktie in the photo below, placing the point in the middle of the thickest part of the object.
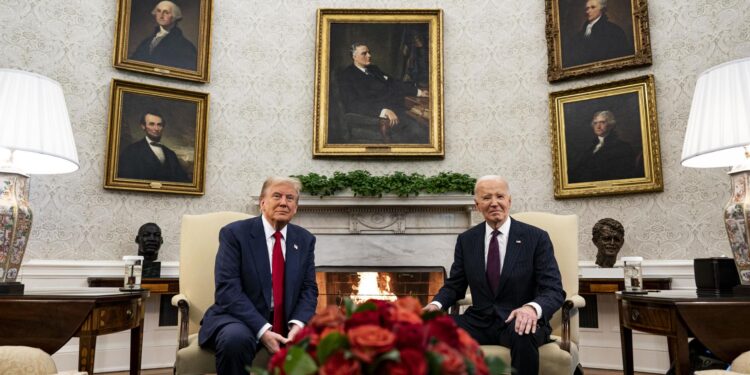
(494, 262)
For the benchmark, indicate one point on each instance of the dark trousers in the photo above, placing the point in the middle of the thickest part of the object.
(235, 346)
(491, 330)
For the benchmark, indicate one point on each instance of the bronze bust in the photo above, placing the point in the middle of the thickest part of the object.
(149, 241)
(608, 236)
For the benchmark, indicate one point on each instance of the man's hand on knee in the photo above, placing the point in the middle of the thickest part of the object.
(272, 341)
(526, 318)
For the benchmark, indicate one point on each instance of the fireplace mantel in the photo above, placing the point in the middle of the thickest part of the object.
(422, 214)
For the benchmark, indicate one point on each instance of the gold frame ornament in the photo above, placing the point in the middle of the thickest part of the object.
(131, 163)
(619, 39)
(591, 159)
(194, 32)
(408, 45)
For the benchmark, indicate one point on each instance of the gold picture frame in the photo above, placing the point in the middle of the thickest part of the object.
(156, 139)
(598, 153)
(142, 46)
(618, 38)
(404, 76)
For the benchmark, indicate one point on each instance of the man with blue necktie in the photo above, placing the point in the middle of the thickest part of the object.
(514, 299)
(265, 281)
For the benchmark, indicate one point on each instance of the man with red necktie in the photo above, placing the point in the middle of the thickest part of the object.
(513, 300)
(265, 281)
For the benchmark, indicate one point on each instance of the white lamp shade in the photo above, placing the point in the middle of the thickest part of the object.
(719, 123)
(34, 125)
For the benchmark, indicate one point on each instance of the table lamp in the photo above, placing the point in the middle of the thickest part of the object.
(718, 135)
(35, 138)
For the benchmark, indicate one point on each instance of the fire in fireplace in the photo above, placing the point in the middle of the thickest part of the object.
(360, 283)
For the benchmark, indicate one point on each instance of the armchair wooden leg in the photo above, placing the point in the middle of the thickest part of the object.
(579, 370)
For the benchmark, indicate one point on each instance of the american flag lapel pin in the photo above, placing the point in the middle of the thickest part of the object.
(518, 241)
(296, 247)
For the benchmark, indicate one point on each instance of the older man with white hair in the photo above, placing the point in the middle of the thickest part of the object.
(167, 45)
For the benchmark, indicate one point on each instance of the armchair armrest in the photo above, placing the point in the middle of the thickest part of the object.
(181, 302)
(466, 301)
(570, 307)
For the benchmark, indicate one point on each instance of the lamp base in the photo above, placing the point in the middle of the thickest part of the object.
(11, 288)
(741, 290)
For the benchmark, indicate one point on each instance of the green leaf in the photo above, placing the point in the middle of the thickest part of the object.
(495, 365)
(298, 362)
(367, 306)
(433, 363)
(349, 305)
(391, 355)
(362, 183)
(330, 344)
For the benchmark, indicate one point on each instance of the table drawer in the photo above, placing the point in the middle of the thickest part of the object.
(116, 317)
(648, 318)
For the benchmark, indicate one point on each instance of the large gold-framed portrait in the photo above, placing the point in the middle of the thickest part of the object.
(587, 37)
(157, 139)
(605, 139)
(163, 37)
(379, 83)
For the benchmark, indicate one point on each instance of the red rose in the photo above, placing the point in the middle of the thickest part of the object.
(412, 363)
(277, 361)
(368, 341)
(338, 365)
(466, 341)
(410, 336)
(306, 332)
(363, 318)
(452, 363)
(406, 316)
(330, 317)
(443, 328)
(387, 311)
(409, 304)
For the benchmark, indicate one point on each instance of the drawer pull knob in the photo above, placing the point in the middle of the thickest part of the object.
(129, 313)
(634, 315)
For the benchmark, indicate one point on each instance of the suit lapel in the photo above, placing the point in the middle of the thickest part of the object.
(512, 251)
(478, 257)
(259, 247)
(291, 265)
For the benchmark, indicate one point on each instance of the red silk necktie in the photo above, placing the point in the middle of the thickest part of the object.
(277, 280)
(494, 262)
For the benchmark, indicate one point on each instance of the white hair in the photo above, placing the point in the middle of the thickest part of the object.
(176, 11)
(278, 180)
(491, 177)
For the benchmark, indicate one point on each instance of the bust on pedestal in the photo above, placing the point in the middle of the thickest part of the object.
(149, 241)
(608, 235)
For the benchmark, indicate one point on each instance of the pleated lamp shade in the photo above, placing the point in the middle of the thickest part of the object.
(35, 132)
(719, 124)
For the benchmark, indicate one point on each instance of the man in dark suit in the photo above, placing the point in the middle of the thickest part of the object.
(249, 307)
(520, 288)
(607, 157)
(167, 46)
(367, 90)
(598, 40)
(148, 159)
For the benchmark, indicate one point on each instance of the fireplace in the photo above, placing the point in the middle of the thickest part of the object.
(335, 283)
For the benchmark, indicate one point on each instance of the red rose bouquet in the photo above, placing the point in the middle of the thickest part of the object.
(379, 337)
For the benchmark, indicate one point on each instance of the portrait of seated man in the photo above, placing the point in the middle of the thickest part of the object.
(367, 90)
(598, 39)
(148, 158)
(167, 45)
(607, 157)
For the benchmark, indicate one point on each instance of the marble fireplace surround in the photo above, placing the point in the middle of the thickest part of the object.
(386, 231)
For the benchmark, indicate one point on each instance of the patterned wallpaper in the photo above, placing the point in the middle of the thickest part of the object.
(262, 67)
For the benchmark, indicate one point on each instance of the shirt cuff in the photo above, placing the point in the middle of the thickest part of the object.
(421, 93)
(296, 322)
(537, 308)
(263, 330)
(438, 304)
(382, 113)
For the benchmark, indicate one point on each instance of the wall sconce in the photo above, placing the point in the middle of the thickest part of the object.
(35, 138)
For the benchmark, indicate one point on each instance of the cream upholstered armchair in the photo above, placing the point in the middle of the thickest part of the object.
(199, 241)
(740, 366)
(561, 356)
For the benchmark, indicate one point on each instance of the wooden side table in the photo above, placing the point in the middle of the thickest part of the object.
(166, 287)
(589, 288)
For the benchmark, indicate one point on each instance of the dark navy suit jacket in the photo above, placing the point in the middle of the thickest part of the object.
(530, 274)
(139, 162)
(243, 278)
(174, 50)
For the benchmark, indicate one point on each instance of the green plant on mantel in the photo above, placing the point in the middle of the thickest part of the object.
(399, 183)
